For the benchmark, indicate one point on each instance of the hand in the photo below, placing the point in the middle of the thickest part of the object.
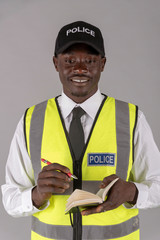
(52, 179)
(119, 193)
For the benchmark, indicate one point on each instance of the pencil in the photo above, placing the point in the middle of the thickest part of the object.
(69, 174)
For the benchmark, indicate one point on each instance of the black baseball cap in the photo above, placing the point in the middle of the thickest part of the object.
(79, 32)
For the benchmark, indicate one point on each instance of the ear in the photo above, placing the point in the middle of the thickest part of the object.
(103, 62)
(55, 62)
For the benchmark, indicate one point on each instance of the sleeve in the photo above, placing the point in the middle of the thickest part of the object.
(146, 168)
(17, 191)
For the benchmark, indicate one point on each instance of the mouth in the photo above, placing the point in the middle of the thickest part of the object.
(79, 80)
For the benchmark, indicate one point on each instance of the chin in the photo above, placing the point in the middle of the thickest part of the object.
(80, 94)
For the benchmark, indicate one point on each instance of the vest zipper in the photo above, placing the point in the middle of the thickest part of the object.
(77, 217)
(77, 171)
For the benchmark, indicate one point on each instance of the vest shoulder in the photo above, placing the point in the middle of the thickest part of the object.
(118, 100)
(112, 100)
(39, 106)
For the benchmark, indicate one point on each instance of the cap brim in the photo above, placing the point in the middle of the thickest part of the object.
(67, 45)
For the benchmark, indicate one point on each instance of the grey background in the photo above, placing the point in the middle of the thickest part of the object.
(27, 34)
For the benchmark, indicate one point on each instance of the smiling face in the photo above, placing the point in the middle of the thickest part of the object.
(79, 68)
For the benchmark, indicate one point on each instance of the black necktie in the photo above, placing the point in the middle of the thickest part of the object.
(76, 136)
(76, 133)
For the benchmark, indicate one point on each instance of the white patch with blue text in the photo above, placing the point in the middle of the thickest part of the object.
(101, 159)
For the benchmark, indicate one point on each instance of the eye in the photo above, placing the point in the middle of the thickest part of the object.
(70, 60)
(90, 60)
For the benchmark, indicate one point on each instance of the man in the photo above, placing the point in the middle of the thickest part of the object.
(95, 137)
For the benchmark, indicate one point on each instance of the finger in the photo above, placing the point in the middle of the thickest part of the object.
(107, 180)
(106, 206)
(92, 210)
(56, 166)
(53, 182)
(54, 174)
(51, 189)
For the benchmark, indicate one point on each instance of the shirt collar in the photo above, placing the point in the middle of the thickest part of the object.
(90, 106)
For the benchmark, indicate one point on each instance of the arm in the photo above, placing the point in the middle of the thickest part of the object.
(146, 168)
(16, 193)
(143, 189)
(20, 195)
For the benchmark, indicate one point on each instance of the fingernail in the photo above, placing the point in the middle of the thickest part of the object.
(69, 179)
(100, 209)
(102, 184)
(84, 213)
(66, 185)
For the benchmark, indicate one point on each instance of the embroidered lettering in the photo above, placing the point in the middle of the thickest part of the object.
(101, 159)
(82, 30)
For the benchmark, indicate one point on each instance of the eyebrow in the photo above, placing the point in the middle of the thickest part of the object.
(88, 52)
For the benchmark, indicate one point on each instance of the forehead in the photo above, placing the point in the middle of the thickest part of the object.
(80, 48)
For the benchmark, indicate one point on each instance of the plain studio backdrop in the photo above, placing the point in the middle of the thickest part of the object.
(28, 29)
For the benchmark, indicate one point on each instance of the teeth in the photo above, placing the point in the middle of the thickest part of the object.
(79, 80)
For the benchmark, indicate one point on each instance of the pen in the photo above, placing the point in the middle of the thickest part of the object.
(48, 163)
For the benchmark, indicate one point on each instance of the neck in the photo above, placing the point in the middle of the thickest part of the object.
(80, 98)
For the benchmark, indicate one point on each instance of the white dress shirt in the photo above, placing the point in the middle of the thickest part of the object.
(145, 172)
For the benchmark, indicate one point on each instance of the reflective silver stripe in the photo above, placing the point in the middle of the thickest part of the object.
(89, 231)
(36, 131)
(123, 138)
(90, 186)
(111, 231)
(52, 231)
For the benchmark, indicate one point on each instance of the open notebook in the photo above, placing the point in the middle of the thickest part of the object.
(80, 198)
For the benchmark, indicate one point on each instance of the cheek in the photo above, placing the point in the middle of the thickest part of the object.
(96, 71)
(65, 72)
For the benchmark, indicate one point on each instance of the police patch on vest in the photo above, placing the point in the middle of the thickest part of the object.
(101, 159)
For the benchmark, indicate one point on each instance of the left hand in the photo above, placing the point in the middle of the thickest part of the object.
(119, 193)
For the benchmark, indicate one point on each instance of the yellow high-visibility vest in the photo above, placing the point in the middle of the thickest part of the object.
(108, 150)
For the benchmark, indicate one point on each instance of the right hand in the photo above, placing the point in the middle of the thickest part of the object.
(52, 179)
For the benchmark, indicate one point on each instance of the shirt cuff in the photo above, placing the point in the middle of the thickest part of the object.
(142, 197)
(27, 203)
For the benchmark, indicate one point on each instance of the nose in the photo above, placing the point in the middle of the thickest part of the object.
(80, 68)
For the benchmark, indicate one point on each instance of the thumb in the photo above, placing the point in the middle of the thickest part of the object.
(108, 180)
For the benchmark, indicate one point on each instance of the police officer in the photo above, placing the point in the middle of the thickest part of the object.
(117, 143)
